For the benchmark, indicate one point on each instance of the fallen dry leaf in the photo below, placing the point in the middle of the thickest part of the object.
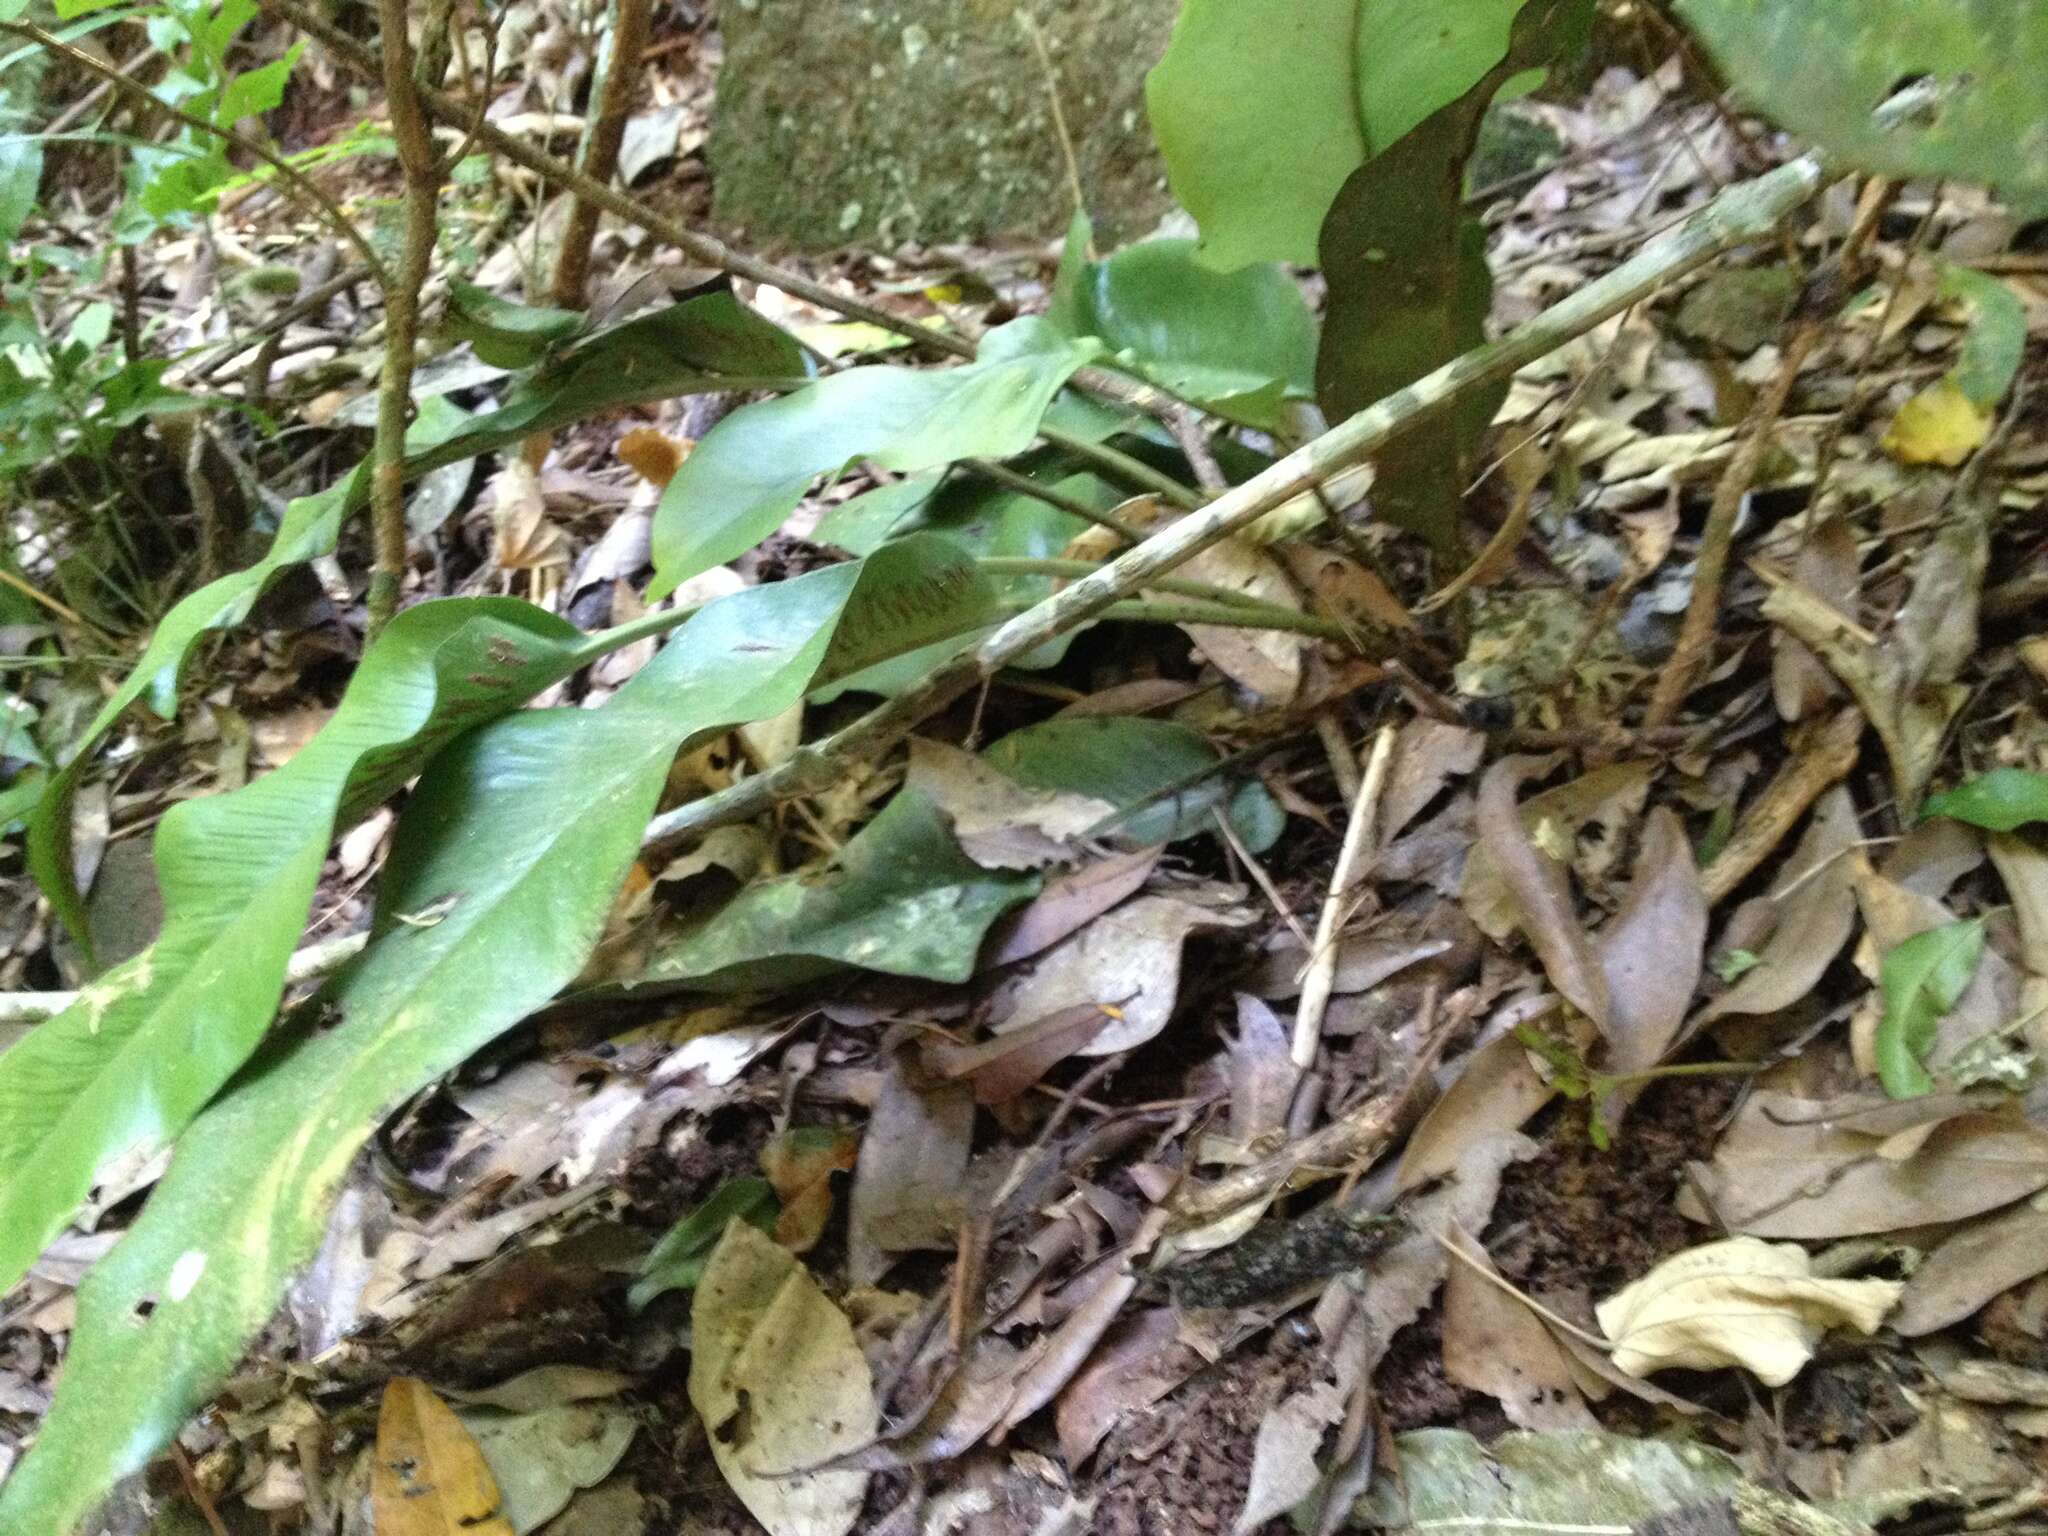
(1067, 903)
(1738, 1302)
(1539, 892)
(1428, 754)
(1265, 662)
(1599, 803)
(430, 1477)
(1127, 959)
(909, 1182)
(1651, 950)
(1940, 425)
(799, 1165)
(780, 1383)
(1493, 1343)
(1812, 912)
(1827, 565)
(1973, 1265)
(1791, 1167)
(999, 823)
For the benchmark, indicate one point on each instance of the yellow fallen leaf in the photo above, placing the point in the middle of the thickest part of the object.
(1940, 425)
(780, 1383)
(1741, 1302)
(430, 1478)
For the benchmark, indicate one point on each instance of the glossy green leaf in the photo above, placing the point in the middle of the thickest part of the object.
(124, 1069)
(711, 342)
(1263, 108)
(1820, 67)
(1166, 779)
(899, 898)
(503, 333)
(1996, 338)
(1236, 343)
(1998, 801)
(505, 865)
(1409, 287)
(750, 470)
(983, 518)
(678, 1260)
(1921, 980)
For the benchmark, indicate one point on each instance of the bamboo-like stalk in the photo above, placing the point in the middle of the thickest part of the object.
(1739, 215)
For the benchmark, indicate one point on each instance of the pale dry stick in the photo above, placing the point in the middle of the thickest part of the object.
(1740, 215)
(309, 963)
(424, 170)
(1259, 876)
(601, 154)
(1320, 979)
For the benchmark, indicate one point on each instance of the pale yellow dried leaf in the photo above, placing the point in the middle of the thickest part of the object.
(1940, 425)
(1741, 1302)
(780, 1383)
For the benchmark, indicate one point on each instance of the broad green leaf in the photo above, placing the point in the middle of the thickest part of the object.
(678, 1260)
(711, 342)
(506, 862)
(1921, 980)
(900, 898)
(708, 342)
(1996, 338)
(123, 1070)
(1455, 45)
(982, 518)
(1236, 343)
(1820, 67)
(1263, 108)
(750, 470)
(1998, 801)
(1409, 287)
(21, 173)
(506, 334)
(1166, 778)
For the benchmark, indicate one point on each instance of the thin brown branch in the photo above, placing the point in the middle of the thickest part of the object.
(1717, 540)
(424, 171)
(601, 150)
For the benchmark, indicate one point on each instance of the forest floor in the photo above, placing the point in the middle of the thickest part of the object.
(988, 1178)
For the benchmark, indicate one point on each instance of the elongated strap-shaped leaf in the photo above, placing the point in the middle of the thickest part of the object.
(747, 474)
(506, 861)
(126, 1067)
(708, 342)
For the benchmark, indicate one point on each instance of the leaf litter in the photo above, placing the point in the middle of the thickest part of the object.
(932, 1155)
